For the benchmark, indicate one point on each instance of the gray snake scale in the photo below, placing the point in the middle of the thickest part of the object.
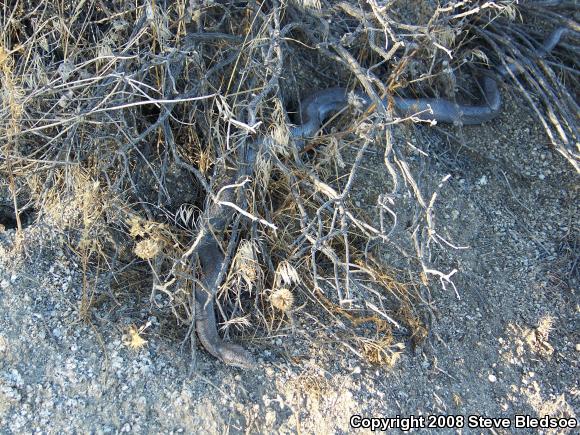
(314, 110)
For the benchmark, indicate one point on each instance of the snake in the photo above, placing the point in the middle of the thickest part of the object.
(314, 110)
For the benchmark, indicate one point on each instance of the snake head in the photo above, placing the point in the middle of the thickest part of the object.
(237, 356)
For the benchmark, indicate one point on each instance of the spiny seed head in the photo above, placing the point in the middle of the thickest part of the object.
(282, 299)
(147, 249)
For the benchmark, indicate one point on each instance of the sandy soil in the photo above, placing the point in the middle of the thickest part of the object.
(507, 345)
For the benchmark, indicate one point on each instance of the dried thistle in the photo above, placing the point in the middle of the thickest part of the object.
(133, 339)
(282, 299)
(148, 248)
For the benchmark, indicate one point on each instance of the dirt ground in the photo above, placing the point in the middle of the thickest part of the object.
(506, 344)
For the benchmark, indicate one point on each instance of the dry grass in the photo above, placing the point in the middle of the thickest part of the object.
(127, 122)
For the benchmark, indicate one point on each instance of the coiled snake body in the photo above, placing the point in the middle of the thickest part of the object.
(314, 110)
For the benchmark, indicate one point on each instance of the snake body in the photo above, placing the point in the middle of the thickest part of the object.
(205, 320)
(211, 259)
(314, 110)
